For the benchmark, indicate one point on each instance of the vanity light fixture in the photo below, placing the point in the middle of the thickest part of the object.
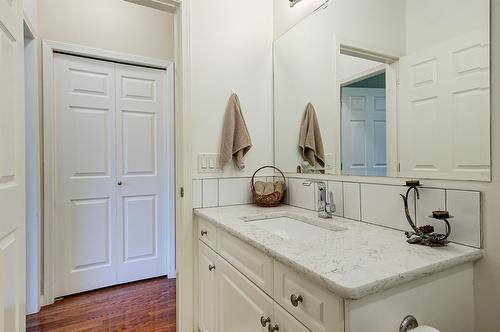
(294, 2)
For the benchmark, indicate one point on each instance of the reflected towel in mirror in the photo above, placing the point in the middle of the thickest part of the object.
(310, 141)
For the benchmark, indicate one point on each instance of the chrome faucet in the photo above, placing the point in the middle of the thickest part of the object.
(326, 207)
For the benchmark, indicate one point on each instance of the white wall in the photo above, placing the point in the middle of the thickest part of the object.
(285, 16)
(350, 66)
(231, 48)
(426, 28)
(114, 25)
(366, 24)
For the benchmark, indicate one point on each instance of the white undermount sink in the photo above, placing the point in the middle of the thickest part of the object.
(293, 229)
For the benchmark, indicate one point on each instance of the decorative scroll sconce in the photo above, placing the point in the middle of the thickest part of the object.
(425, 235)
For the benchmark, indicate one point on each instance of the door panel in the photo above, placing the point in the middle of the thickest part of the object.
(141, 145)
(445, 110)
(240, 304)
(90, 234)
(85, 193)
(141, 227)
(364, 133)
(12, 173)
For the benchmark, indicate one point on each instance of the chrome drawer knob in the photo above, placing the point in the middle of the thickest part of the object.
(211, 267)
(296, 300)
(265, 321)
(273, 328)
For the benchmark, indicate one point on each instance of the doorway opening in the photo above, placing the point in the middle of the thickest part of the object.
(363, 91)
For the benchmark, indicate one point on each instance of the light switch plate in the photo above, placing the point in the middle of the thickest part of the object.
(209, 162)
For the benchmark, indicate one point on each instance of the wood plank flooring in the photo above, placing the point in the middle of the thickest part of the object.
(140, 306)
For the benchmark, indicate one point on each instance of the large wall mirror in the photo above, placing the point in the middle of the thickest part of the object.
(396, 88)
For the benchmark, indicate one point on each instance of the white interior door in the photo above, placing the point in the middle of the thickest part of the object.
(141, 162)
(445, 110)
(12, 164)
(364, 133)
(86, 223)
(109, 166)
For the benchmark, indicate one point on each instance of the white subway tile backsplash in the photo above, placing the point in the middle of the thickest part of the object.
(234, 191)
(210, 192)
(431, 200)
(383, 205)
(197, 194)
(300, 195)
(374, 203)
(465, 206)
(338, 197)
(352, 203)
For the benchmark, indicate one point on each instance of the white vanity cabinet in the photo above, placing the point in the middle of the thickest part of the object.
(240, 288)
(228, 301)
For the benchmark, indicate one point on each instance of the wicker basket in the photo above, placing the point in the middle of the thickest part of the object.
(269, 200)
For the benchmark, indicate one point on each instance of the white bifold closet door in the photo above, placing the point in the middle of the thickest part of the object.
(110, 154)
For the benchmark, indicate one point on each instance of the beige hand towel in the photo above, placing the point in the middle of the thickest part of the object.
(236, 141)
(310, 142)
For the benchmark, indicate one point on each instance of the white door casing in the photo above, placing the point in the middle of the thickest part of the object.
(108, 132)
(445, 110)
(12, 170)
(364, 132)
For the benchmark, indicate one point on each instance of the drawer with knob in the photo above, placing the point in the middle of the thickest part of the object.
(207, 233)
(317, 308)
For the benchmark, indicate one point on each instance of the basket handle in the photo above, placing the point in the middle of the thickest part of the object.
(268, 166)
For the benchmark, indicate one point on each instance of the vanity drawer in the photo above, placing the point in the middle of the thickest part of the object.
(207, 232)
(314, 306)
(251, 262)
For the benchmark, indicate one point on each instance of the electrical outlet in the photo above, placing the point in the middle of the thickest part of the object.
(209, 162)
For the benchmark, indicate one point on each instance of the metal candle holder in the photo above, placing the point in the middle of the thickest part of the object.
(425, 235)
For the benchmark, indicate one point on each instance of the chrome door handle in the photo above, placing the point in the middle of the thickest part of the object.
(296, 299)
(211, 267)
(265, 321)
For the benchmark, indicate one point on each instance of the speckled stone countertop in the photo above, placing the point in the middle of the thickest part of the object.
(353, 263)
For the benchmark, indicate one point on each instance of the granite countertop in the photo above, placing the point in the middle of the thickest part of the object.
(358, 261)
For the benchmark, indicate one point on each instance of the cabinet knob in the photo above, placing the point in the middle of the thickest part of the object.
(273, 328)
(265, 321)
(204, 232)
(296, 299)
(211, 267)
(119, 183)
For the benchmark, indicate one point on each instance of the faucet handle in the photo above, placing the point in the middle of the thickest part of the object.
(330, 206)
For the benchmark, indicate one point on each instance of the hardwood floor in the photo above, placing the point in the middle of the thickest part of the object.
(140, 306)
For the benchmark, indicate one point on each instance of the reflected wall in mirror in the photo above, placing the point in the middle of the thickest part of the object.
(394, 88)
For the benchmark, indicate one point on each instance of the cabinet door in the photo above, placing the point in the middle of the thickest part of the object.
(284, 322)
(207, 290)
(240, 304)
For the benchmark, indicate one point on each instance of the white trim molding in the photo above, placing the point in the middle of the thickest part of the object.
(164, 5)
(49, 48)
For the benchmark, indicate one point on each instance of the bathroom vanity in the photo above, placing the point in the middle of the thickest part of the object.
(284, 269)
